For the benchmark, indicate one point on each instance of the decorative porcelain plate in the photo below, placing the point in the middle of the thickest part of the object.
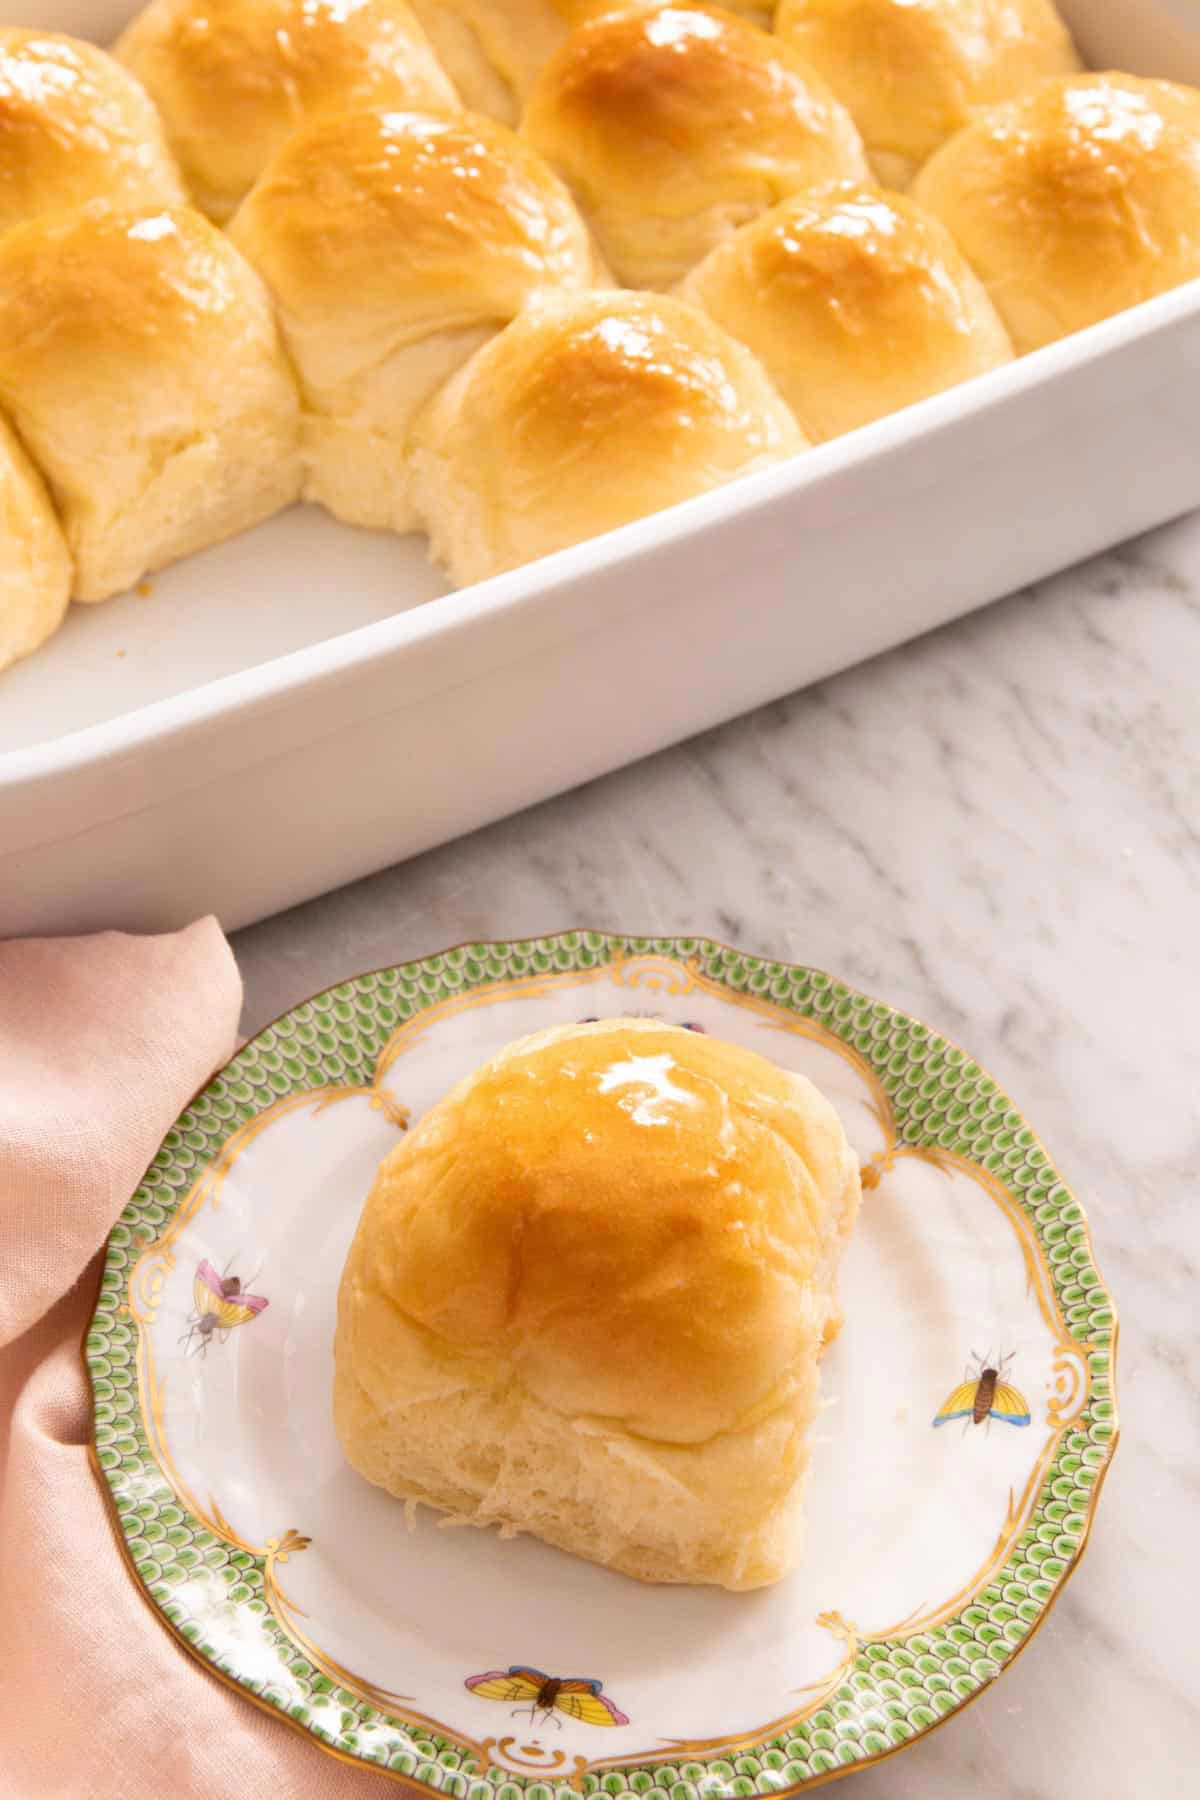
(968, 1425)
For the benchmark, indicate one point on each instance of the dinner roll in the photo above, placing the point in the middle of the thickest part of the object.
(395, 245)
(492, 49)
(587, 1297)
(139, 362)
(855, 302)
(75, 126)
(234, 78)
(913, 72)
(35, 567)
(583, 414)
(676, 124)
(1078, 199)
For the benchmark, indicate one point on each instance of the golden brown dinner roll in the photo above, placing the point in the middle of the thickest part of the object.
(234, 78)
(35, 567)
(75, 126)
(855, 302)
(913, 72)
(492, 49)
(584, 414)
(676, 124)
(396, 244)
(587, 1297)
(140, 364)
(1075, 201)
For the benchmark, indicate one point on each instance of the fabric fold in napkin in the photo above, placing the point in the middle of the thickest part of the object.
(103, 1041)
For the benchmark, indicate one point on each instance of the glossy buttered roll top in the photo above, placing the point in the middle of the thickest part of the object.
(75, 126)
(140, 362)
(395, 244)
(234, 78)
(674, 125)
(588, 1294)
(913, 72)
(855, 301)
(1075, 201)
(584, 414)
(494, 50)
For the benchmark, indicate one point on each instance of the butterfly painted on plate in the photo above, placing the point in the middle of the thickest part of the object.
(577, 1697)
(221, 1305)
(985, 1394)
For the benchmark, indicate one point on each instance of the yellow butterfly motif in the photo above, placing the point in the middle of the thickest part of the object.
(576, 1696)
(985, 1394)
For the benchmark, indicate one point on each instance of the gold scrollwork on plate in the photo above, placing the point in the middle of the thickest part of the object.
(1072, 1382)
(660, 975)
(657, 974)
(504, 1753)
(146, 1283)
(817, 1694)
(286, 1613)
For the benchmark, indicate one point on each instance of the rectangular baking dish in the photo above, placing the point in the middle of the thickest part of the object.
(304, 705)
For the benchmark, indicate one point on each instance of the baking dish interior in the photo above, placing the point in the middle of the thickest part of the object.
(302, 581)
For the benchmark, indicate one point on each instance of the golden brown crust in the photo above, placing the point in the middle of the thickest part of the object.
(615, 1245)
(234, 78)
(395, 245)
(408, 221)
(673, 125)
(586, 413)
(140, 363)
(626, 1215)
(913, 72)
(104, 295)
(855, 301)
(75, 126)
(1075, 201)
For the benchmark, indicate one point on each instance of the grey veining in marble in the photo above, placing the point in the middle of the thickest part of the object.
(998, 829)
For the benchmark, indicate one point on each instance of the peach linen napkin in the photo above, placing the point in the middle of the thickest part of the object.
(103, 1041)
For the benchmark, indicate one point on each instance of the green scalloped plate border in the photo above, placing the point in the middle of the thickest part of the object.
(942, 1100)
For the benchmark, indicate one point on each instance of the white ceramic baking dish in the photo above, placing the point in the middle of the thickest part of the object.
(281, 715)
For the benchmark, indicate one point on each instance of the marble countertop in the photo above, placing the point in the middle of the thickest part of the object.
(996, 828)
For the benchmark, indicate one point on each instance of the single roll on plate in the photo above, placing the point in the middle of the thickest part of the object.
(234, 78)
(395, 244)
(582, 415)
(35, 565)
(139, 361)
(913, 72)
(856, 302)
(493, 49)
(674, 125)
(1075, 201)
(587, 1298)
(75, 126)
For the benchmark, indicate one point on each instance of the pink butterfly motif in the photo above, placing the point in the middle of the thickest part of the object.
(221, 1305)
(579, 1697)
